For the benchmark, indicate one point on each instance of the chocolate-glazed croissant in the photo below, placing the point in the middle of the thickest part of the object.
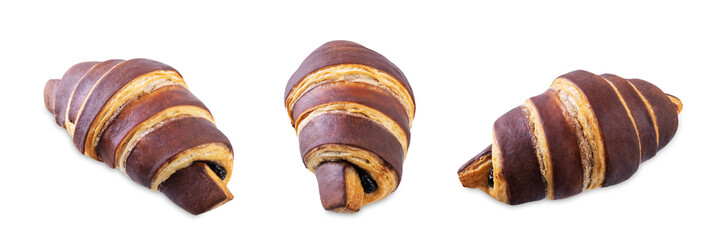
(138, 116)
(352, 110)
(586, 131)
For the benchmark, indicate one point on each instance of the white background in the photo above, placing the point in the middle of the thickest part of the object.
(468, 63)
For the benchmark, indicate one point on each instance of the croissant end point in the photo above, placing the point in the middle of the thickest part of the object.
(676, 102)
(49, 95)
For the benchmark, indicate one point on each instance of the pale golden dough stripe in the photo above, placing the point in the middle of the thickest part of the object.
(149, 125)
(212, 152)
(540, 142)
(357, 110)
(677, 102)
(498, 190)
(621, 99)
(137, 87)
(384, 176)
(651, 112)
(352, 73)
(568, 92)
(354, 191)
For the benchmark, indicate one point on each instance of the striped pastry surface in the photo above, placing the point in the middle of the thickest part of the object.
(138, 115)
(586, 131)
(351, 107)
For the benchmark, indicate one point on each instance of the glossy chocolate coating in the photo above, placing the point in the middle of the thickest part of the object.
(157, 148)
(345, 52)
(520, 167)
(112, 82)
(621, 143)
(562, 144)
(139, 111)
(352, 131)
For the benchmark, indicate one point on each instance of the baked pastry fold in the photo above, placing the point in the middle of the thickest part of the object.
(586, 131)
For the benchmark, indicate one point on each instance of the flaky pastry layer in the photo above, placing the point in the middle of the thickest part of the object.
(138, 132)
(212, 152)
(576, 103)
(357, 110)
(498, 189)
(352, 73)
(539, 140)
(139, 86)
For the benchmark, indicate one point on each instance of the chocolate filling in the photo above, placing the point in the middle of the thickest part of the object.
(491, 178)
(369, 184)
(219, 170)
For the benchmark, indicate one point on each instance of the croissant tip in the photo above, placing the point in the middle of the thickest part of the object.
(677, 102)
(196, 189)
(340, 187)
(49, 95)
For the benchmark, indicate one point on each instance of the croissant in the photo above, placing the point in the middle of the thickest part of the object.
(138, 115)
(352, 110)
(586, 131)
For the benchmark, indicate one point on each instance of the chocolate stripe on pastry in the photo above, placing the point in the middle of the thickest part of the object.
(364, 144)
(352, 131)
(196, 188)
(621, 144)
(565, 165)
(149, 164)
(640, 113)
(83, 88)
(62, 89)
(360, 93)
(132, 122)
(352, 110)
(126, 81)
(516, 163)
(138, 116)
(339, 177)
(585, 132)
(664, 107)
(345, 52)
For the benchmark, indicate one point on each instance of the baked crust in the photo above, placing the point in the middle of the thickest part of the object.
(585, 132)
(137, 115)
(350, 105)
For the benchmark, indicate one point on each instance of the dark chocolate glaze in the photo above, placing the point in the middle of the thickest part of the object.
(667, 117)
(361, 93)
(65, 86)
(345, 52)
(84, 86)
(331, 178)
(352, 131)
(562, 144)
(113, 81)
(157, 148)
(640, 113)
(193, 189)
(139, 111)
(621, 143)
(520, 167)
